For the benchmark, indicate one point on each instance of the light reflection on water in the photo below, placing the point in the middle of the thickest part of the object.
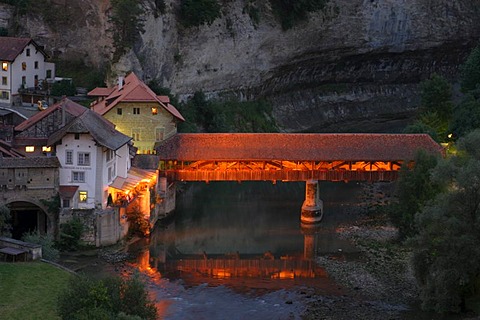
(241, 245)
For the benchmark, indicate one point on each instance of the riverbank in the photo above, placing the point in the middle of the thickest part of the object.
(379, 279)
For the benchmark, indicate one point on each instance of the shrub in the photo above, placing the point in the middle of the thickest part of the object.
(194, 13)
(70, 235)
(63, 88)
(49, 252)
(110, 298)
(290, 12)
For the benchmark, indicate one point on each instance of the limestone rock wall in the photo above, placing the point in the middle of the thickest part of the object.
(359, 59)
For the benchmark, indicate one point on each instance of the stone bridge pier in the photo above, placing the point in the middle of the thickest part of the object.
(312, 208)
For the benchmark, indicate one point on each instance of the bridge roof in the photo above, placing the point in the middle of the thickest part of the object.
(295, 147)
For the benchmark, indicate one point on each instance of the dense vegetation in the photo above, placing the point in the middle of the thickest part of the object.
(291, 12)
(126, 24)
(5, 221)
(438, 207)
(106, 299)
(194, 13)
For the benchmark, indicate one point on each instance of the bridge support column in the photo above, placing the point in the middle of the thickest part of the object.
(312, 208)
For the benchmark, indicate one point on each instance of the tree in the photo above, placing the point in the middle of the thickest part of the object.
(414, 189)
(109, 298)
(447, 248)
(290, 12)
(5, 218)
(195, 13)
(436, 95)
(126, 22)
(466, 116)
(470, 71)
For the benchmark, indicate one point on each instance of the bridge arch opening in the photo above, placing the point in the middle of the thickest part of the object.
(28, 217)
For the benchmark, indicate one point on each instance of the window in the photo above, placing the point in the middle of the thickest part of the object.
(66, 203)
(24, 66)
(48, 74)
(159, 132)
(29, 149)
(111, 173)
(5, 95)
(83, 159)
(110, 154)
(136, 134)
(119, 111)
(69, 157)
(4, 81)
(82, 196)
(28, 52)
(136, 110)
(35, 64)
(154, 111)
(24, 80)
(78, 176)
(5, 66)
(46, 149)
(77, 136)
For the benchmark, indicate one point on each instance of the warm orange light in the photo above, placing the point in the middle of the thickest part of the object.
(29, 149)
(46, 149)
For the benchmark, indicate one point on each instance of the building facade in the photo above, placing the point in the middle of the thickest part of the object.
(23, 65)
(137, 112)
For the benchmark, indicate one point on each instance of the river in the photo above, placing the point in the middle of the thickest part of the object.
(257, 222)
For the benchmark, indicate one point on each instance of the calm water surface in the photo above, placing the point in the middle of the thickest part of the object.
(238, 224)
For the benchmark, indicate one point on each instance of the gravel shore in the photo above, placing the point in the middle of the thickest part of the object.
(379, 280)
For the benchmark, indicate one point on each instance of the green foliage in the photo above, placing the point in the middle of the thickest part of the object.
(70, 235)
(466, 116)
(253, 12)
(138, 224)
(3, 32)
(226, 116)
(83, 75)
(436, 94)
(420, 127)
(126, 24)
(470, 71)
(49, 252)
(63, 88)
(110, 298)
(414, 189)
(194, 13)
(447, 247)
(291, 12)
(5, 219)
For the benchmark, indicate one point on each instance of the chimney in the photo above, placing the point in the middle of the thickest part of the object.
(120, 83)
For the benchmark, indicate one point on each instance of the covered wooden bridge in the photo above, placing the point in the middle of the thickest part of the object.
(290, 157)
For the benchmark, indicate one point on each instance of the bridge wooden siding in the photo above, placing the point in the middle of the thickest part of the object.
(289, 157)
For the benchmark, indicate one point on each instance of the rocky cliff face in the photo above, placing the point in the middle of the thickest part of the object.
(358, 61)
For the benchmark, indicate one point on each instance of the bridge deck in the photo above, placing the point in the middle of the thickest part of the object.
(290, 157)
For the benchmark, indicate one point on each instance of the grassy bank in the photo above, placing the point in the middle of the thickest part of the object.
(29, 290)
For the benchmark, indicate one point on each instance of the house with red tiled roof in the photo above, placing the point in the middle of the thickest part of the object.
(137, 112)
(23, 65)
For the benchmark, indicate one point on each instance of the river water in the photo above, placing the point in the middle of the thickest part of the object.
(228, 225)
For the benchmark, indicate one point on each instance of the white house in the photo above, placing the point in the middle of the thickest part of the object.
(23, 65)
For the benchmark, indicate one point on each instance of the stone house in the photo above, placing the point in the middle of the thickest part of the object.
(137, 112)
(24, 65)
(95, 179)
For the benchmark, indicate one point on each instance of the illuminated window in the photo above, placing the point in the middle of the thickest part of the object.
(136, 110)
(83, 159)
(46, 149)
(154, 111)
(24, 66)
(5, 66)
(4, 81)
(29, 149)
(69, 157)
(82, 196)
(78, 176)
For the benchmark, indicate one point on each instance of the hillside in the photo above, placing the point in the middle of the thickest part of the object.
(354, 60)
